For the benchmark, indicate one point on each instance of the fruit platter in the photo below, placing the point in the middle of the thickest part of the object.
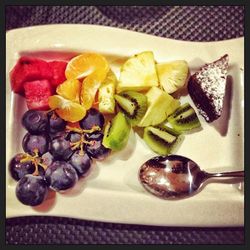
(82, 117)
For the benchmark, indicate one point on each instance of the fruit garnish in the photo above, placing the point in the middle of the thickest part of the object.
(66, 109)
(116, 132)
(138, 73)
(85, 64)
(106, 101)
(37, 94)
(58, 71)
(162, 139)
(28, 69)
(70, 89)
(172, 75)
(184, 118)
(133, 105)
(160, 106)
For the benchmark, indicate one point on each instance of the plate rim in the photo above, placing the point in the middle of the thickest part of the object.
(37, 27)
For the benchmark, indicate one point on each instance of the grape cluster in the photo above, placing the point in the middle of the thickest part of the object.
(55, 154)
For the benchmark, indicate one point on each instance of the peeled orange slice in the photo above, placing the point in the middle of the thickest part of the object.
(89, 89)
(68, 110)
(84, 65)
(70, 89)
(90, 86)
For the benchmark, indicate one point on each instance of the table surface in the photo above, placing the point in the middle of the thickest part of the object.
(191, 23)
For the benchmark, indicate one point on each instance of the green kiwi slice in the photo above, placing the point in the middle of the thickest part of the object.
(184, 118)
(133, 105)
(116, 132)
(162, 139)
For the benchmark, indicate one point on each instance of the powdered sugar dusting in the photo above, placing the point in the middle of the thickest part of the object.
(212, 78)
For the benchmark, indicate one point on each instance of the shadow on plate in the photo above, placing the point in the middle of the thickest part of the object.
(124, 154)
(48, 204)
(83, 181)
(221, 124)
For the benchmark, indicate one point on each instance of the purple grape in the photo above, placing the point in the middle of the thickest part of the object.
(36, 122)
(31, 190)
(92, 118)
(57, 134)
(61, 175)
(74, 137)
(47, 159)
(96, 149)
(81, 162)
(19, 169)
(61, 149)
(31, 143)
(56, 123)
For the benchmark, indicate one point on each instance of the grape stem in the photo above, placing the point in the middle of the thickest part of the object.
(82, 131)
(36, 160)
(82, 141)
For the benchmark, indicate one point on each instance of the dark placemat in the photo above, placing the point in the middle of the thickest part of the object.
(194, 23)
(54, 230)
(187, 23)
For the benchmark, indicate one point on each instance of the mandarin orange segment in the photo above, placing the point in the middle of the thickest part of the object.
(90, 86)
(70, 89)
(66, 109)
(85, 64)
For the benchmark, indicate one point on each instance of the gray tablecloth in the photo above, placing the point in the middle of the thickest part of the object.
(194, 23)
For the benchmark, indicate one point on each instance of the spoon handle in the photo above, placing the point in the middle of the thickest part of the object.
(227, 174)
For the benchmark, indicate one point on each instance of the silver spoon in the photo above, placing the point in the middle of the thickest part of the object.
(175, 176)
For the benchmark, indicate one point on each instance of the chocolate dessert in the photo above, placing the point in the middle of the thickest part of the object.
(207, 88)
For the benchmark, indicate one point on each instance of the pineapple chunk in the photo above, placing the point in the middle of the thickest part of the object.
(138, 73)
(160, 106)
(172, 75)
(106, 94)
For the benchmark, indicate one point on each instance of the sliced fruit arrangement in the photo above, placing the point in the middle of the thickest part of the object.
(66, 109)
(106, 100)
(162, 139)
(93, 69)
(133, 105)
(70, 90)
(138, 73)
(56, 155)
(37, 94)
(184, 118)
(28, 69)
(65, 133)
(172, 75)
(117, 132)
(160, 106)
(81, 66)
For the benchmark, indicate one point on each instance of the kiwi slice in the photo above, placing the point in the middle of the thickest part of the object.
(133, 105)
(116, 132)
(162, 139)
(184, 118)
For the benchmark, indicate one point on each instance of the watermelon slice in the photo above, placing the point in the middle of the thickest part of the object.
(58, 70)
(28, 69)
(37, 94)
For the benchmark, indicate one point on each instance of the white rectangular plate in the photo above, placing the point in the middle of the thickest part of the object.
(112, 192)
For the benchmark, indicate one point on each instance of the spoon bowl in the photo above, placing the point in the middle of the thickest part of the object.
(175, 176)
